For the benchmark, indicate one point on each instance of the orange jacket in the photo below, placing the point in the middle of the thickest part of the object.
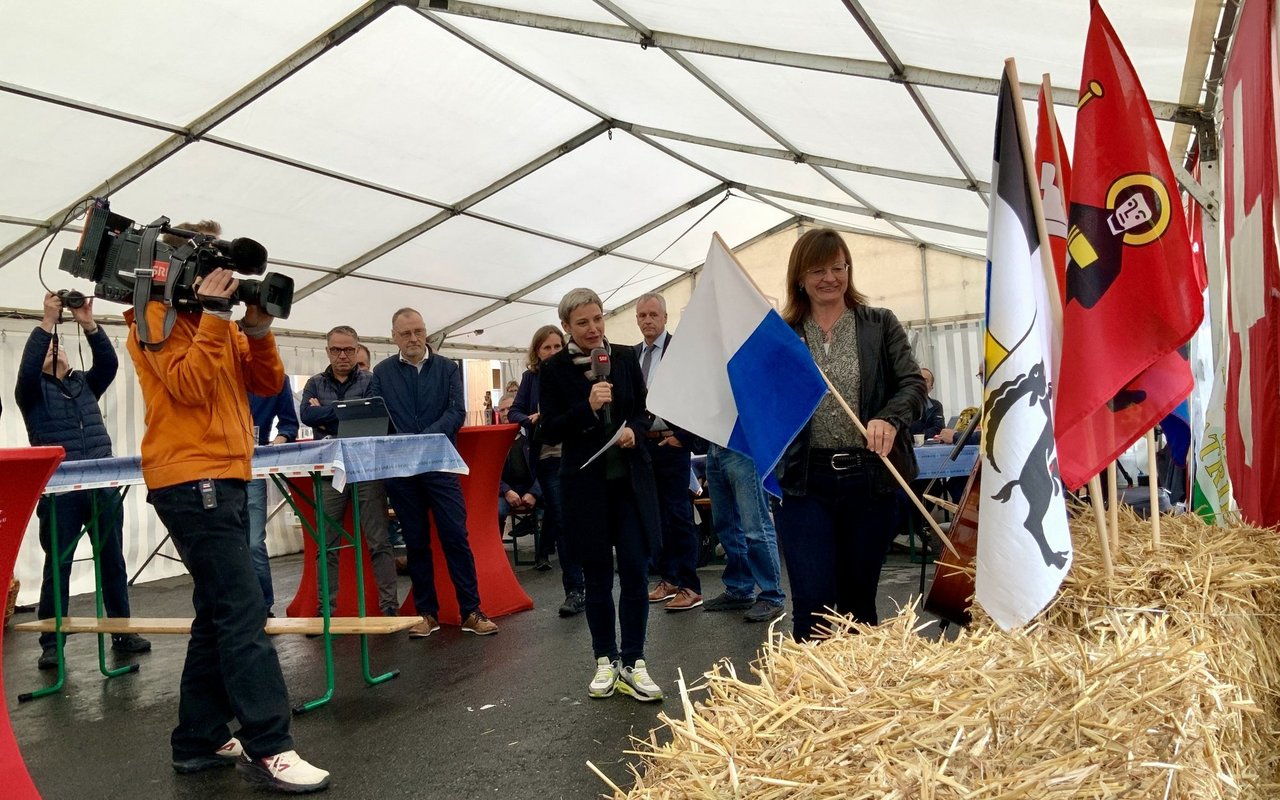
(195, 389)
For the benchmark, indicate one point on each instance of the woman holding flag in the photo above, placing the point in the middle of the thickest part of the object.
(593, 405)
(838, 510)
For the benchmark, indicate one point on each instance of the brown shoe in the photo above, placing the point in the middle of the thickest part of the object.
(477, 623)
(663, 591)
(425, 628)
(684, 600)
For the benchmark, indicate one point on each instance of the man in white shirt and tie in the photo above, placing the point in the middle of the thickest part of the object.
(677, 558)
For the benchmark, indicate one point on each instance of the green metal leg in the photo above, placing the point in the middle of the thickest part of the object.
(56, 555)
(369, 678)
(95, 539)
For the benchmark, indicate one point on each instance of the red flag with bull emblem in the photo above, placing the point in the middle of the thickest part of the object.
(1131, 298)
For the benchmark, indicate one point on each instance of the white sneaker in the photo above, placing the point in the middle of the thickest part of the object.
(285, 772)
(636, 682)
(232, 750)
(606, 678)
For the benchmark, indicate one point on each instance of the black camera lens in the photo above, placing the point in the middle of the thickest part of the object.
(70, 298)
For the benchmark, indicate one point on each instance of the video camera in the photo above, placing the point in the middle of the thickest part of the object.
(130, 265)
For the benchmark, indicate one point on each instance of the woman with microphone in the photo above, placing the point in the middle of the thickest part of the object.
(589, 391)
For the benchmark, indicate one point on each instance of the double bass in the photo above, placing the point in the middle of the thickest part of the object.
(951, 592)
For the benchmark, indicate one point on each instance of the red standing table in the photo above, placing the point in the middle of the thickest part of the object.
(484, 449)
(26, 472)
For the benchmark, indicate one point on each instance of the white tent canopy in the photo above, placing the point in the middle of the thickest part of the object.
(475, 160)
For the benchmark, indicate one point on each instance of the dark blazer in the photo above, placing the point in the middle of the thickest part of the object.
(892, 389)
(567, 419)
(931, 420)
(66, 413)
(692, 442)
(429, 400)
(329, 390)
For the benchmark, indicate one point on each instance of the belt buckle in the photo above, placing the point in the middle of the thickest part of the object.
(851, 460)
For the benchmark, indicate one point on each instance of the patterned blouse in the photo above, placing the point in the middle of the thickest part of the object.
(831, 428)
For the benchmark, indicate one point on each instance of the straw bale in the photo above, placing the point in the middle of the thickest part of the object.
(1157, 683)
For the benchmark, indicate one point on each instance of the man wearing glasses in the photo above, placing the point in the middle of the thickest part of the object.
(344, 380)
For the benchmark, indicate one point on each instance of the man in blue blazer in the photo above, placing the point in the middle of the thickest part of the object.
(423, 393)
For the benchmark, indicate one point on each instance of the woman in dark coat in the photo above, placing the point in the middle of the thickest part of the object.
(526, 412)
(838, 511)
(610, 504)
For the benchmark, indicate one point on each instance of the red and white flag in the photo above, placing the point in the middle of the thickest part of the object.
(1253, 269)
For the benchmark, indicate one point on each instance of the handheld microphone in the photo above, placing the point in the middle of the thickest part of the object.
(600, 369)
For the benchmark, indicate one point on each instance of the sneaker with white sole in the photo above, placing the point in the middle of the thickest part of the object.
(636, 682)
(284, 772)
(225, 756)
(606, 678)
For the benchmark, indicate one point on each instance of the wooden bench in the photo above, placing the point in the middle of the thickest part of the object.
(275, 626)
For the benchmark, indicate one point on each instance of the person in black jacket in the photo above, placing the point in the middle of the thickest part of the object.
(60, 407)
(610, 504)
(423, 393)
(933, 419)
(838, 512)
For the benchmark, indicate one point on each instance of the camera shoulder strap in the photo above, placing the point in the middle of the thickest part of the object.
(143, 279)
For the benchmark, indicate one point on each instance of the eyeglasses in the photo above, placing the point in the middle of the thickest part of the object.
(342, 351)
(837, 271)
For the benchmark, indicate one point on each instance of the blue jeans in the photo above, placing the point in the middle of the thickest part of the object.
(75, 510)
(743, 526)
(834, 539)
(256, 491)
(231, 671)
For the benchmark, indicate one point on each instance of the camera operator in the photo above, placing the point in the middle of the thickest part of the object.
(196, 456)
(60, 407)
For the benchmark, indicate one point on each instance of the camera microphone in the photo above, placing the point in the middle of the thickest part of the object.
(600, 369)
(247, 255)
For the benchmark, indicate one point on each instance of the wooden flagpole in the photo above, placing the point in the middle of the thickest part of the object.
(1153, 487)
(1113, 506)
(1100, 518)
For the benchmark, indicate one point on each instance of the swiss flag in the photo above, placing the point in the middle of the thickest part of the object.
(1131, 297)
(1253, 274)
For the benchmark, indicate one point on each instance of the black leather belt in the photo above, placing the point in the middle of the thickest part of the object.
(840, 460)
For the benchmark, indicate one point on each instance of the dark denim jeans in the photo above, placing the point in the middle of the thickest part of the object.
(440, 494)
(678, 561)
(744, 527)
(231, 671)
(75, 510)
(834, 539)
(553, 525)
(620, 533)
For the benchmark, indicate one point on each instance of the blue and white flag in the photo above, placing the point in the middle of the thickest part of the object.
(1024, 547)
(739, 376)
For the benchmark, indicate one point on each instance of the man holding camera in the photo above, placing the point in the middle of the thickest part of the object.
(60, 407)
(196, 458)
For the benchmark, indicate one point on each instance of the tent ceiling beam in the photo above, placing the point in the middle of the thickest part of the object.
(565, 270)
(802, 158)
(733, 102)
(862, 68)
(472, 199)
(310, 51)
(102, 111)
(866, 212)
(881, 44)
(941, 248)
